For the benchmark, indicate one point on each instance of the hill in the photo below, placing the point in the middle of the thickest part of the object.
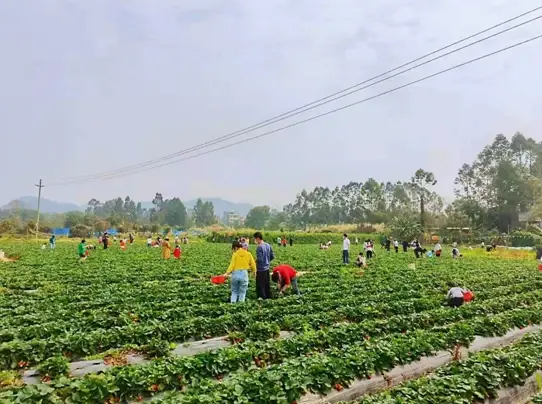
(49, 206)
(46, 206)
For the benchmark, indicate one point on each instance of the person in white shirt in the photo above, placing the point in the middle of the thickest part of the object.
(437, 249)
(456, 253)
(455, 296)
(369, 249)
(396, 245)
(149, 242)
(361, 262)
(346, 249)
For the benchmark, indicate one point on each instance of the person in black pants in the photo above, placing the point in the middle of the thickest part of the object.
(405, 246)
(264, 256)
(455, 296)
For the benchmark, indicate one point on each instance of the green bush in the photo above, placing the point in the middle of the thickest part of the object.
(524, 239)
(298, 237)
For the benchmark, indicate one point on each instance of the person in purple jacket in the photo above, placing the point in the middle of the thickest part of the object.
(264, 256)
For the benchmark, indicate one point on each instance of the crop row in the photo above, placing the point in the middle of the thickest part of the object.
(119, 314)
(44, 342)
(109, 310)
(317, 373)
(176, 373)
(475, 379)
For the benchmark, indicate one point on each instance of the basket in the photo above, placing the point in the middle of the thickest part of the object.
(218, 280)
(468, 296)
(411, 266)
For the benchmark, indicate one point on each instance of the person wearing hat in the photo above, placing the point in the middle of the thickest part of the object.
(241, 262)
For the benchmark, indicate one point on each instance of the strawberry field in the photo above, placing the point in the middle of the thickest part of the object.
(346, 325)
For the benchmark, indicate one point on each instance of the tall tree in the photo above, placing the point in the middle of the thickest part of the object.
(422, 181)
(503, 181)
(74, 218)
(174, 212)
(204, 213)
(257, 217)
(158, 201)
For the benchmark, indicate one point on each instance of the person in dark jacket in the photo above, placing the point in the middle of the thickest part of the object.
(264, 256)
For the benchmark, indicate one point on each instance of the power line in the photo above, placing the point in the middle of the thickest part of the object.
(317, 103)
(112, 176)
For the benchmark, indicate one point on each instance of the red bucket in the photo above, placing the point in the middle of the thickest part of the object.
(217, 280)
(468, 296)
(540, 267)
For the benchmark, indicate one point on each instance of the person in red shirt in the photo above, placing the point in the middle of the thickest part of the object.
(285, 276)
(177, 252)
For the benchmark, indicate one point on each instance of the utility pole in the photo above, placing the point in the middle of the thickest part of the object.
(40, 186)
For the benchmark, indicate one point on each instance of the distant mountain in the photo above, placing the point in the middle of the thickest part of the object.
(46, 205)
(49, 206)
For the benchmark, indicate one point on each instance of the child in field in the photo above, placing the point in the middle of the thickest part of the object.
(81, 251)
(123, 244)
(177, 252)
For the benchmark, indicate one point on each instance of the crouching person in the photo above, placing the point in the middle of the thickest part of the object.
(285, 276)
(455, 296)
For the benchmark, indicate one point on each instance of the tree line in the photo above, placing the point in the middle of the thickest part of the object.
(503, 183)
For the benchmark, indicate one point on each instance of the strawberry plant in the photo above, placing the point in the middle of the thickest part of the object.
(345, 326)
(54, 366)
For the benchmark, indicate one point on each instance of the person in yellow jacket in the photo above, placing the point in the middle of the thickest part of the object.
(241, 262)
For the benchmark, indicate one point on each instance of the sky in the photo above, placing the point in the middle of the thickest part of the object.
(92, 86)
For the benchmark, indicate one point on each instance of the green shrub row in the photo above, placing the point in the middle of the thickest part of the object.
(297, 237)
(524, 239)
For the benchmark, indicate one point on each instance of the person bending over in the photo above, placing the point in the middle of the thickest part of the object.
(285, 276)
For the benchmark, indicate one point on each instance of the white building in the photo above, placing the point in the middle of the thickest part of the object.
(232, 219)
